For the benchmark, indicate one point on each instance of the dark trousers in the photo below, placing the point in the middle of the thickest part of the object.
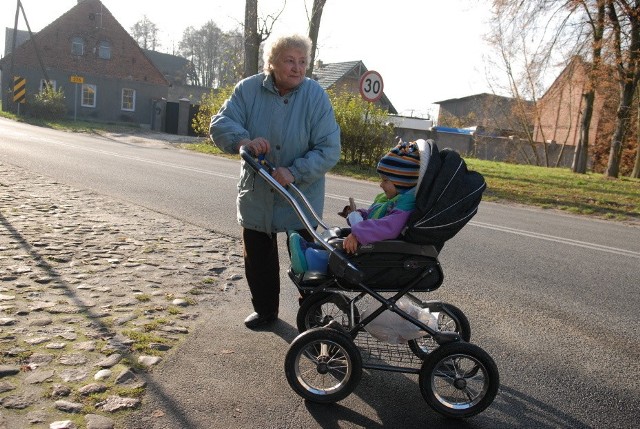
(262, 268)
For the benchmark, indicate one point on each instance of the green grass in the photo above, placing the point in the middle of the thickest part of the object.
(558, 188)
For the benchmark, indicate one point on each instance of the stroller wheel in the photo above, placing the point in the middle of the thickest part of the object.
(451, 320)
(323, 365)
(459, 380)
(319, 309)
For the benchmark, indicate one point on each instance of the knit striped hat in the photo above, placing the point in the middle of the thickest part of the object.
(401, 166)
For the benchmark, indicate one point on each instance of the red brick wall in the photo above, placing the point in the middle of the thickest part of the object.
(560, 108)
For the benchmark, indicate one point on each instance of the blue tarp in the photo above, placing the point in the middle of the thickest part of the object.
(453, 130)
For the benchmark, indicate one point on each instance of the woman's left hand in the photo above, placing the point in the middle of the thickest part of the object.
(283, 176)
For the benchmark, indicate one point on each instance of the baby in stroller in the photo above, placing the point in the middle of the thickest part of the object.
(385, 218)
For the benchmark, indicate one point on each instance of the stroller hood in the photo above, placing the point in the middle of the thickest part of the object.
(446, 199)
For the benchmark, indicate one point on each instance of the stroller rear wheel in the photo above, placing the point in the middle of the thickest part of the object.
(459, 380)
(319, 309)
(323, 365)
(451, 320)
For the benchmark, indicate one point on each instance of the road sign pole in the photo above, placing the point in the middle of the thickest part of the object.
(77, 80)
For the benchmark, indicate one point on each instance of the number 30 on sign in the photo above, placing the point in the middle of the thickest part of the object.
(371, 86)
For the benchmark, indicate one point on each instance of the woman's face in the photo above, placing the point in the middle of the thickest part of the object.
(289, 69)
(388, 187)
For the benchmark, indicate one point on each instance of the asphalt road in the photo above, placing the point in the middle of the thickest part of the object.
(552, 297)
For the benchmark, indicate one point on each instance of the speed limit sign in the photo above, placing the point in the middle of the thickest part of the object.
(371, 86)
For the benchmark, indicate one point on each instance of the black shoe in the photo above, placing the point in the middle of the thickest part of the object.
(256, 320)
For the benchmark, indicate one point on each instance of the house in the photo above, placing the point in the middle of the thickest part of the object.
(102, 71)
(487, 113)
(560, 108)
(178, 71)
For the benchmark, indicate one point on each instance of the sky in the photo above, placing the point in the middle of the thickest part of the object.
(425, 50)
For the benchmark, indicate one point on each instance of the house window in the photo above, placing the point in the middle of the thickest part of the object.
(77, 46)
(128, 99)
(104, 50)
(43, 82)
(88, 95)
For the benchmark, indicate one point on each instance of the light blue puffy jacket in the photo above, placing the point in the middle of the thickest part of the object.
(304, 136)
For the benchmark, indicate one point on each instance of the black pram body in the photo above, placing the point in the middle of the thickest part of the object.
(447, 197)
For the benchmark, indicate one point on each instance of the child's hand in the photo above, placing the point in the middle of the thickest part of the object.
(350, 244)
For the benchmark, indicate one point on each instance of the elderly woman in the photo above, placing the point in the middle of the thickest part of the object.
(287, 117)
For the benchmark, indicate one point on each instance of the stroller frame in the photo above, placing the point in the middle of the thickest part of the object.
(335, 350)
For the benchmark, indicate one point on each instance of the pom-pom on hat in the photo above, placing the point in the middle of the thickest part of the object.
(401, 166)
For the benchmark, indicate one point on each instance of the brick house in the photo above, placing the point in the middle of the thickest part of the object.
(560, 108)
(115, 80)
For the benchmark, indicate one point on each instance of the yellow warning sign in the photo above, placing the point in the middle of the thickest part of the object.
(19, 89)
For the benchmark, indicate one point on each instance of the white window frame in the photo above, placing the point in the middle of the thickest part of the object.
(88, 88)
(104, 50)
(133, 100)
(77, 46)
(51, 82)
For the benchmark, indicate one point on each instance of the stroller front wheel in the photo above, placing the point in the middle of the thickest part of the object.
(459, 380)
(323, 365)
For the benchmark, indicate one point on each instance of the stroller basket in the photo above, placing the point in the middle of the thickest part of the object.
(385, 356)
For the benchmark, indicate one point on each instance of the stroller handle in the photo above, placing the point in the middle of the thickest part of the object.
(263, 168)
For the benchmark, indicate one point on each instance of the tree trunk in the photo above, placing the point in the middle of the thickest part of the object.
(581, 154)
(622, 122)
(314, 29)
(628, 76)
(251, 38)
(636, 165)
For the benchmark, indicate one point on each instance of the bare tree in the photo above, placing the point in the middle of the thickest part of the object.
(624, 17)
(252, 39)
(528, 38)
(314, 30)
(145, 34)
(636, 165)
(605, 31)
(256, 31)
(580, 156)
(213, 53)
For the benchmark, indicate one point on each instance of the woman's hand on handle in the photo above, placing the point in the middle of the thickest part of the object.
(257, 146)
(283, 176)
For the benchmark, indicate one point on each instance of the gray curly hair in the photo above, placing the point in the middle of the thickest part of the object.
(295, 41)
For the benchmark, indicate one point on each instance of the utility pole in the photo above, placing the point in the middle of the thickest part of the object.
(14, 42)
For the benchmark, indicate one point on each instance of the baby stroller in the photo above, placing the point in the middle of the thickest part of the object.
(364, 314)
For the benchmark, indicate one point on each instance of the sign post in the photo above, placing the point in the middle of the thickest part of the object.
(77, 80)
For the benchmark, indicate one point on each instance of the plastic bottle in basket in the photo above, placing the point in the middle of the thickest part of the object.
(391, 328)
